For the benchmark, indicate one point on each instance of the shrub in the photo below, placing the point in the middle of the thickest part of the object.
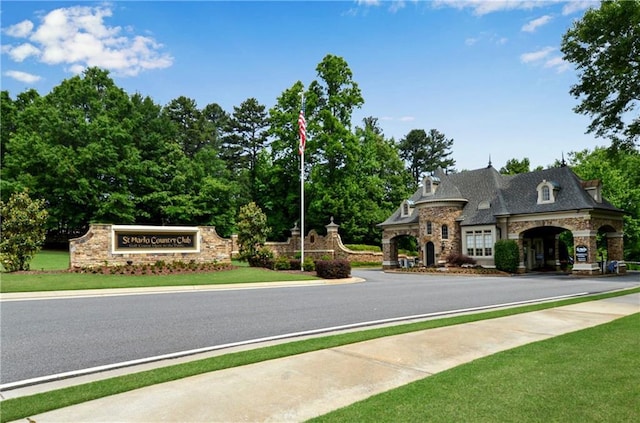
(457, 259)
(507, 255)
(308, 265)
(282, 263)
(262, 258)
(23, 230)
(333, 269)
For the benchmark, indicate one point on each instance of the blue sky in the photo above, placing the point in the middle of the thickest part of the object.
(487, 73)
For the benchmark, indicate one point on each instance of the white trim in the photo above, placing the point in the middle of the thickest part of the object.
(586, 266)
(584, 233)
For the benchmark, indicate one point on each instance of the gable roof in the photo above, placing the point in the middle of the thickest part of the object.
(487, 194)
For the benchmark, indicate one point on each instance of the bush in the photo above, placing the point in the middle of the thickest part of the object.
(262, 258)
(457, 259)
(23, 230)
(282, 263)
(333, 269)
(309, 265)
(507, 255)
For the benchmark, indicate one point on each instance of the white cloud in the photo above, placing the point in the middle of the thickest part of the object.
(534, 24)
(21, 52)
(368, 2)
(471, 41)
(578, 6)
(396, 5)
(557, 63)
(490, 37)
(543, 57)
(78, 37)
(22, 76)
(484, 7)
(19, 30)
(407, 118)
(536, 56)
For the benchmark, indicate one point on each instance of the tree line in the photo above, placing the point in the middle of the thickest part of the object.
(94, 153)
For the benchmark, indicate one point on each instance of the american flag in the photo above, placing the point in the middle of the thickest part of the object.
(302, 129)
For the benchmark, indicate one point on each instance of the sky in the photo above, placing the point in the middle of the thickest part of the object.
(488, 74)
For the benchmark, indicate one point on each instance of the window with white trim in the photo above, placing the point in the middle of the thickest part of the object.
(547, 192)
(445, 232)
(479, 243)
(429, 228)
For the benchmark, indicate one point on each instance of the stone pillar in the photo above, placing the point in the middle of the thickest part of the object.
(294, 243)
(556, 248)
(615, 249)
(235, 247)
(522, 268)
(585, 263)
(332, 237)
(389, 254)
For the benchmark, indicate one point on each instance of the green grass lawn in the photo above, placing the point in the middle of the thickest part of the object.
(529, 366)
(32, 282)
(592, 375)
(59, 260)
(50, 260)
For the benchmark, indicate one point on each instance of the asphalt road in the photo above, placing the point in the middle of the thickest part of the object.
(46, 337)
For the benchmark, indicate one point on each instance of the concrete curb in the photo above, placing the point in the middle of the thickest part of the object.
(48, 295)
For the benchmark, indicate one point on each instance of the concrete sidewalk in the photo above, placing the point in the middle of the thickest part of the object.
(307, 385)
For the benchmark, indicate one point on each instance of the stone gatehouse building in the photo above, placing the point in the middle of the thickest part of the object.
(468, 212)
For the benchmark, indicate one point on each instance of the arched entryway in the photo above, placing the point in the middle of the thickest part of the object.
(546, 248)
(402, 250)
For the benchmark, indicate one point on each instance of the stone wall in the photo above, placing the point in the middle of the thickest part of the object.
(439, 216)
(94, 249)
(319, 246)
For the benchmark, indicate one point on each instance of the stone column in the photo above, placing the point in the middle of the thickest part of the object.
(522, 268)
(389, 254)
(581, 239)
(294, 243)
(615, 248)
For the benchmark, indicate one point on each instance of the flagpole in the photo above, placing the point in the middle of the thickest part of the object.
(303, 135)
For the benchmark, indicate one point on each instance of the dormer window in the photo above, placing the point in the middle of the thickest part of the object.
(547, 192)
(430, 185)
(546, 196)
(407, 208)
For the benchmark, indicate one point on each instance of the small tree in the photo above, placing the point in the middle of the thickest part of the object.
(252, 230)
(23, 230)
(507, 255)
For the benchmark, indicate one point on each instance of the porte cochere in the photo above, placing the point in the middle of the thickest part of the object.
(467, 212)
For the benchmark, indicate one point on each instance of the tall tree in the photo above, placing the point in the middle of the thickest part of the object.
(248, 136)
(515, 166)
(189, 124)
(278, 189)
(425, 152)
(605, 48)
(333, 147)
(619, 172)
(71, 147)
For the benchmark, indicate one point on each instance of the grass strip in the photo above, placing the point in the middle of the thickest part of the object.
(35, 282)
(16, 408)
(586, 376)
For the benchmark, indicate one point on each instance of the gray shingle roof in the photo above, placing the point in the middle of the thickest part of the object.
(505, 194)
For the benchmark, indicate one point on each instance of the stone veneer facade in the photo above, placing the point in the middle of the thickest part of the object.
(318, 246)
(94, 249)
